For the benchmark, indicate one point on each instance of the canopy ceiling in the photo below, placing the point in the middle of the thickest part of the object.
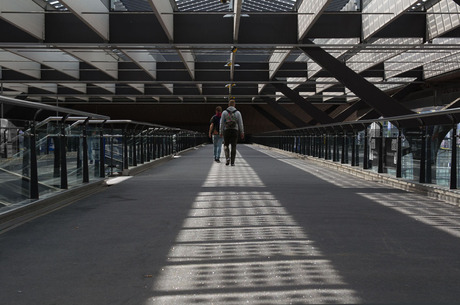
(260, 52)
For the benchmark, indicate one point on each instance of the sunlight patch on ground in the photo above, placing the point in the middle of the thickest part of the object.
(243, 247)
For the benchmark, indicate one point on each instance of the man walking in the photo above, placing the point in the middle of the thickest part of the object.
(231, 126)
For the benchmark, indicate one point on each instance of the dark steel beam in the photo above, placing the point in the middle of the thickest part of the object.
(369, 93)
(284, 112)
(278, 29)
(305, 105)
(347, 112)
(270, 117)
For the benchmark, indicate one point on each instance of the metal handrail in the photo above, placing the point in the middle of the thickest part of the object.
(28, 104)
(438, 113)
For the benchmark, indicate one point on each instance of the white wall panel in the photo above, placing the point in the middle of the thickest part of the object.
(55, 59)
(98, 58)
(19, 64)
(29, 21)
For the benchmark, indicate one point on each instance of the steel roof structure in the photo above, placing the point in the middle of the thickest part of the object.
(293, 62)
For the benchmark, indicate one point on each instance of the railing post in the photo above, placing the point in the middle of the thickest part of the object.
(334, 149)
(399, 155)
(101, 153)
(366, 149)
(33, 186)
(429, 155)
(134, 148)
(125, 150)
(380, 148)
(423, 156)
(141, 147)
(353, 149)
(148, 145)
(112, 164)
(63, 156)
(453, 161)
(85, 153)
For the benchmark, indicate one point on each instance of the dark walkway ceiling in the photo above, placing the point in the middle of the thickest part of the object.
(153, 59)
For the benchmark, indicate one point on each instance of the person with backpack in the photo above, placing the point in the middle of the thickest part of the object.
(231, 125)
(214, 128)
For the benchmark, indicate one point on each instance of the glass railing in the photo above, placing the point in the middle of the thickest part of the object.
(42, 158)
(424, 148)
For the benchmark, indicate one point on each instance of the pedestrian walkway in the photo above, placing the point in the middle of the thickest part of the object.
(274, 229)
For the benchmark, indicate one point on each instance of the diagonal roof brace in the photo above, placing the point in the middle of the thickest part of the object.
(270, 117)
(285, 113)
(370, 94)
(306, 106)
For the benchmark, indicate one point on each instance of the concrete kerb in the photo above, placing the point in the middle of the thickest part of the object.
(16, 217)
(430, 190)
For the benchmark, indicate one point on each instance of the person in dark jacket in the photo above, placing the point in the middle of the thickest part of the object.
(214, 128)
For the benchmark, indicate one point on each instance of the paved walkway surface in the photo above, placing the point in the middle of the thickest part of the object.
(271, 230)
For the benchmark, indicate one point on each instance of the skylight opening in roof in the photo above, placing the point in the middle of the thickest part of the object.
(56, 5)
(247, 5)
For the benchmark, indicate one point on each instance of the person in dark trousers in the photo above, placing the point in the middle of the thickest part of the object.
(231, 126)
(214, 128)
